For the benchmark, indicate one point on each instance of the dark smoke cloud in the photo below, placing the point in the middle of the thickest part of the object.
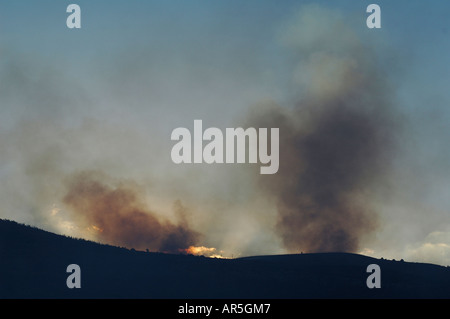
(119, 216)
(336, 142)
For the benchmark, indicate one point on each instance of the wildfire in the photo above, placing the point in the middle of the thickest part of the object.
(200, 250)
(210, 252)
(94, 228)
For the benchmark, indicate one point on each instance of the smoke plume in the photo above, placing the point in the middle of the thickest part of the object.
(119, 216)
(335, 142)
(114, 110)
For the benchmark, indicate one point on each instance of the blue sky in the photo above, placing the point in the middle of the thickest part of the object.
(115, 25)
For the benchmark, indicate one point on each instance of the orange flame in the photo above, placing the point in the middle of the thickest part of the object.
(95, 228)
(210, 252)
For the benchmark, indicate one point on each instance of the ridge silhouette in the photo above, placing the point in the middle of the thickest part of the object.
(33, 264)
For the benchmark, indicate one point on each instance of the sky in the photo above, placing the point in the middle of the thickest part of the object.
(86, 117)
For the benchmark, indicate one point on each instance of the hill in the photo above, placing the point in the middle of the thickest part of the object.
(33, 264)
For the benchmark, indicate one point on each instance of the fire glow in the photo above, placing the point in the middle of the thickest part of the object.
(210, 252)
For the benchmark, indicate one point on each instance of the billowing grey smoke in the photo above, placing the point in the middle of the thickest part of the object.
(336, 126)
(335, 142)
(119, 215)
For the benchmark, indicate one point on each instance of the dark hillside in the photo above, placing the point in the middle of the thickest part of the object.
(33, 264)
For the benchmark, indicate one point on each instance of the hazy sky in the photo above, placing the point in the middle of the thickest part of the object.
(105, 98)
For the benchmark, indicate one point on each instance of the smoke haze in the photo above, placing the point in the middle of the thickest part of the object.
(335, 142)
(86, 119)
(120, 217)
